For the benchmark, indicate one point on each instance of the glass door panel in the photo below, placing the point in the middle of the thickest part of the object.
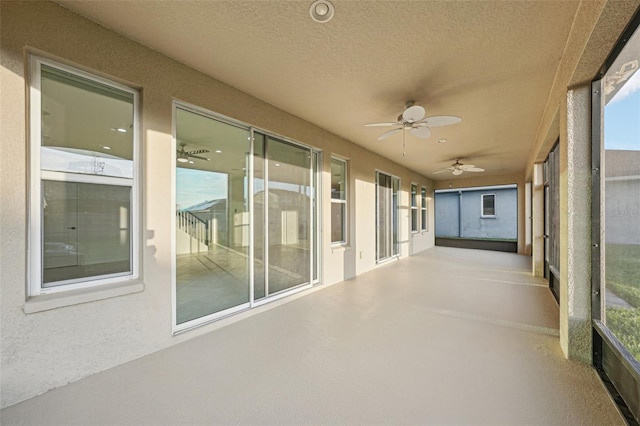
(394, 215)
(382, 216)
(289, 204)
(259, 200)
(212, 216)
(387, 193)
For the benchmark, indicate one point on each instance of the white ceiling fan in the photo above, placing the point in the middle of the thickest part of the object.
(413, 119)
(458, 168)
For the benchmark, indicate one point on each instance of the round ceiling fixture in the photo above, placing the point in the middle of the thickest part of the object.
(321, 11)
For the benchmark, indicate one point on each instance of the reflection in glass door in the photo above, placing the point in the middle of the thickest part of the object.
(289, 207)
(212, 219)
(246, 225)
(387, 193)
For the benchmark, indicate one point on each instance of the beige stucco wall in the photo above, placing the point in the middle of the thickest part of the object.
(50, 348)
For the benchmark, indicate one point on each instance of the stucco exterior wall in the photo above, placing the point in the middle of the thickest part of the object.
(503, 226)
(50, 348)
(448, 214)
(478, 180)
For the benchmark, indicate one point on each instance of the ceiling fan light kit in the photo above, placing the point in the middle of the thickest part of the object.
(458, 168)
(413, 119)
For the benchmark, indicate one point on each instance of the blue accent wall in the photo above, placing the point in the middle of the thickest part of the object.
(447, 216)
(449, 206)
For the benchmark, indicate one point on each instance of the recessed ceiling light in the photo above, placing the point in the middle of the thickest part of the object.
(441, 141)
(190, 162)
(119, 129)
(321, 11)
(277, 164)
(106, 147)
(218, 151)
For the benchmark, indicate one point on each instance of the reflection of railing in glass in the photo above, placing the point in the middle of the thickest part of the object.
(193, 226)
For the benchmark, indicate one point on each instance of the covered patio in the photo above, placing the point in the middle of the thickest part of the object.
(448, 336)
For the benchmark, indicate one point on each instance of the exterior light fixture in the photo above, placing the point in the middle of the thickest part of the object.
(321, 11)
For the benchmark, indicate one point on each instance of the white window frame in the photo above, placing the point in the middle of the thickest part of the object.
(34, 271)
(413, 201)
(345, 201)
(482, 206)
(424, 214)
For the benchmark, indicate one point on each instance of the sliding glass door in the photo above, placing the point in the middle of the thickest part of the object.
(387, 193)
(212, 221)
(289, 201)
(246, 225)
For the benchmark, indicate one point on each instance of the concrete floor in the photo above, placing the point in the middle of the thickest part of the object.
(450, 336)
(218, 279)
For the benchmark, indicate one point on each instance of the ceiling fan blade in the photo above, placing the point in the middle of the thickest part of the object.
(448, 169)
(389, 133)
(413, 113)
(466, 167)
(420, 132)
(475, 169)
(197, 151)
(440, 120)
(381, 124)
(199, 158)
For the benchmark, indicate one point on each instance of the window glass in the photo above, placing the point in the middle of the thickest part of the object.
(621, 198)
(423, 206)
(387, 193)
(212, 216)
(87, 230)
(83, 211)
(488, 205)
(87, 127)
(290, 196)
(414, 208)
(338, 200)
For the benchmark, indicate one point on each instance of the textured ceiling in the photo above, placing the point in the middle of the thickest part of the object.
(490, 62)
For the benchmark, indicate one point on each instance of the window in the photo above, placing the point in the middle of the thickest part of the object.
(414, 207)
(338, 201)
(83, 196)
(423, 209)
(488, 205)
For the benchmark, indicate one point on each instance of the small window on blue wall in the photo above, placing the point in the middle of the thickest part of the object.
(488, 205)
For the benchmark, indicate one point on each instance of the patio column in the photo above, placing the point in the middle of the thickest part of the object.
(575, 224)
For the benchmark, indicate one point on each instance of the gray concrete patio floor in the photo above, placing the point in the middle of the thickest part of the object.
(450, 336)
